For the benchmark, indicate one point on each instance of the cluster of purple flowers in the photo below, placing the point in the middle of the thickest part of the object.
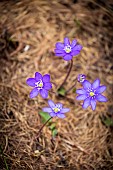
(90, 93)
(41, 85)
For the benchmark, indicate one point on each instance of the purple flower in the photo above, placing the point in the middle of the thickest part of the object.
(90, 93)
(55, 109)
(41, 85)
(67, 50)
(81, 78)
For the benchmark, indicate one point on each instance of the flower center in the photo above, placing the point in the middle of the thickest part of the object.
(39, 84)
(92, 94)
(82, 79)
(67, 49)
(56, 109)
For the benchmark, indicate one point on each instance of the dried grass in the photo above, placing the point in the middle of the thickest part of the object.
(83, 142)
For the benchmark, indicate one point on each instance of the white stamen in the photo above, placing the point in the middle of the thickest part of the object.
(67, 49)
(56, 109)
(39, 84)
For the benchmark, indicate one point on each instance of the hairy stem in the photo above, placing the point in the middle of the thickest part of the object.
(43, 127)
(54, 84)
(68, 73)
(71, 87)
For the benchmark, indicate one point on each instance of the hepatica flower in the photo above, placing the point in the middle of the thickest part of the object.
(81, 78)
(55, 109)
(41, 84)
(67, 50)
(91, 93)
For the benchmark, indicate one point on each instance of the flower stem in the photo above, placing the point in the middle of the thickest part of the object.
(52, 92)
(43, 127)
(54, 84)
(68, 73)
(71, 87)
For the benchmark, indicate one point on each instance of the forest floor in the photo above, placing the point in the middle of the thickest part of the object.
(28, 33)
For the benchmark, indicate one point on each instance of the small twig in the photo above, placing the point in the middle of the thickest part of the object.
(6, 138)
(81, 149)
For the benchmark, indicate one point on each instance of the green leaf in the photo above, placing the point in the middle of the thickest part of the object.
(62, 91)
(54, 132)
(74, 90)
(45, 116)
(53, 129)
(108, 122)
(52, 126)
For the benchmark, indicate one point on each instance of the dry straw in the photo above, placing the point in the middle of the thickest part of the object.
(29, 31)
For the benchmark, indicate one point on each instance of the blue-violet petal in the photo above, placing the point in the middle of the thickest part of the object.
(51, 104)
(86, 103)
(34, 93)
(66, 41)
(60, 115)
(73, 43)
(96, 84)
(59, 45)
(81, 91)
(101, 98)
(93, 104)
(81, 97)
(38, 76)
(67, 57)
(47, 109)
(31, 82)
(100, 89)
(47, 86)
(46, 78)
(86, 85)
(44, 93)
(65, 110)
